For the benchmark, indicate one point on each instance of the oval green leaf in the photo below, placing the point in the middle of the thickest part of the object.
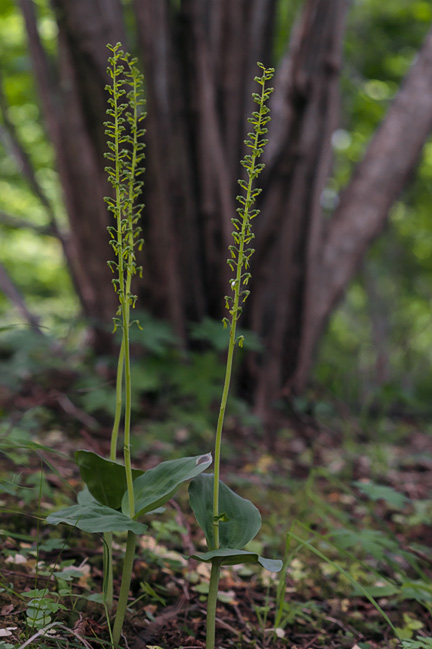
(243, 520)
(156, 486)
(93, 517)
(84, 497)
(231, 557)
(105, 479)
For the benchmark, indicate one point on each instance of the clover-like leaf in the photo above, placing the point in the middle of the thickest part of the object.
(105, 479)
(156, 486)
(240, 520)
(93, 517)
(230, 557)
(382, 492)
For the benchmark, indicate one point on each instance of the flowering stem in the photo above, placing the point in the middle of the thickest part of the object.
(240, 256)
(125, 585)
(125, 153)
(119, 399)
(211, 604)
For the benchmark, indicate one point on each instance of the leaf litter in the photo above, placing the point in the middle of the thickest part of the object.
(373, 521)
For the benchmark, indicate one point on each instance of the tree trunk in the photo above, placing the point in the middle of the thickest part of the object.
(199, 60)
(74, 106)
(290, 232)
(361, 215)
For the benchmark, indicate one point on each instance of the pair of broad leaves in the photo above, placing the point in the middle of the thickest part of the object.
(103, 505)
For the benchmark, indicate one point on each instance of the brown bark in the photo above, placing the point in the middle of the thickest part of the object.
(289, 235)
(195, 66)
(10, 136)
(363, 209)
(73, 105)
(168, 189)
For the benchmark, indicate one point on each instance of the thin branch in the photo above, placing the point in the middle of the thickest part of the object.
(12, 141)
(43, 632)
(42, 73)
(23, 224)
(380, 177)
(12, 293)
(48, 96)
(378, 180)
(78, 414)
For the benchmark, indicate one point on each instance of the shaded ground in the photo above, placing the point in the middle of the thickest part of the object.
(360, 551)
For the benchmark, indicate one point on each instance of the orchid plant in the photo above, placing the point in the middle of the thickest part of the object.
(116, 496)
(229, 521)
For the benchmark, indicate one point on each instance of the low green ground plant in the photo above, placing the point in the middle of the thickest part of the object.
(366, 531)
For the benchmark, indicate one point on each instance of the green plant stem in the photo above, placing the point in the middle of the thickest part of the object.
(128, 388)
(125, 585)
(117, 184)
(128, 301)
(108, 574)
(235, 313)
(218, 443)
(109, 624)
(128, 408)
(119, 403)
(108, 564)
(123, 291)
(125, 155)
(126, 306)
(211, 604)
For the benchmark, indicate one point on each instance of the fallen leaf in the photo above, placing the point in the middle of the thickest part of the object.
(4, 633)
(18, 559)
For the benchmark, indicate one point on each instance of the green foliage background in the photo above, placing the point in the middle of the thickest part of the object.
(381, 40)
(35, 262)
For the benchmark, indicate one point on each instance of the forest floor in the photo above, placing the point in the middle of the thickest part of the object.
(348, 507)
